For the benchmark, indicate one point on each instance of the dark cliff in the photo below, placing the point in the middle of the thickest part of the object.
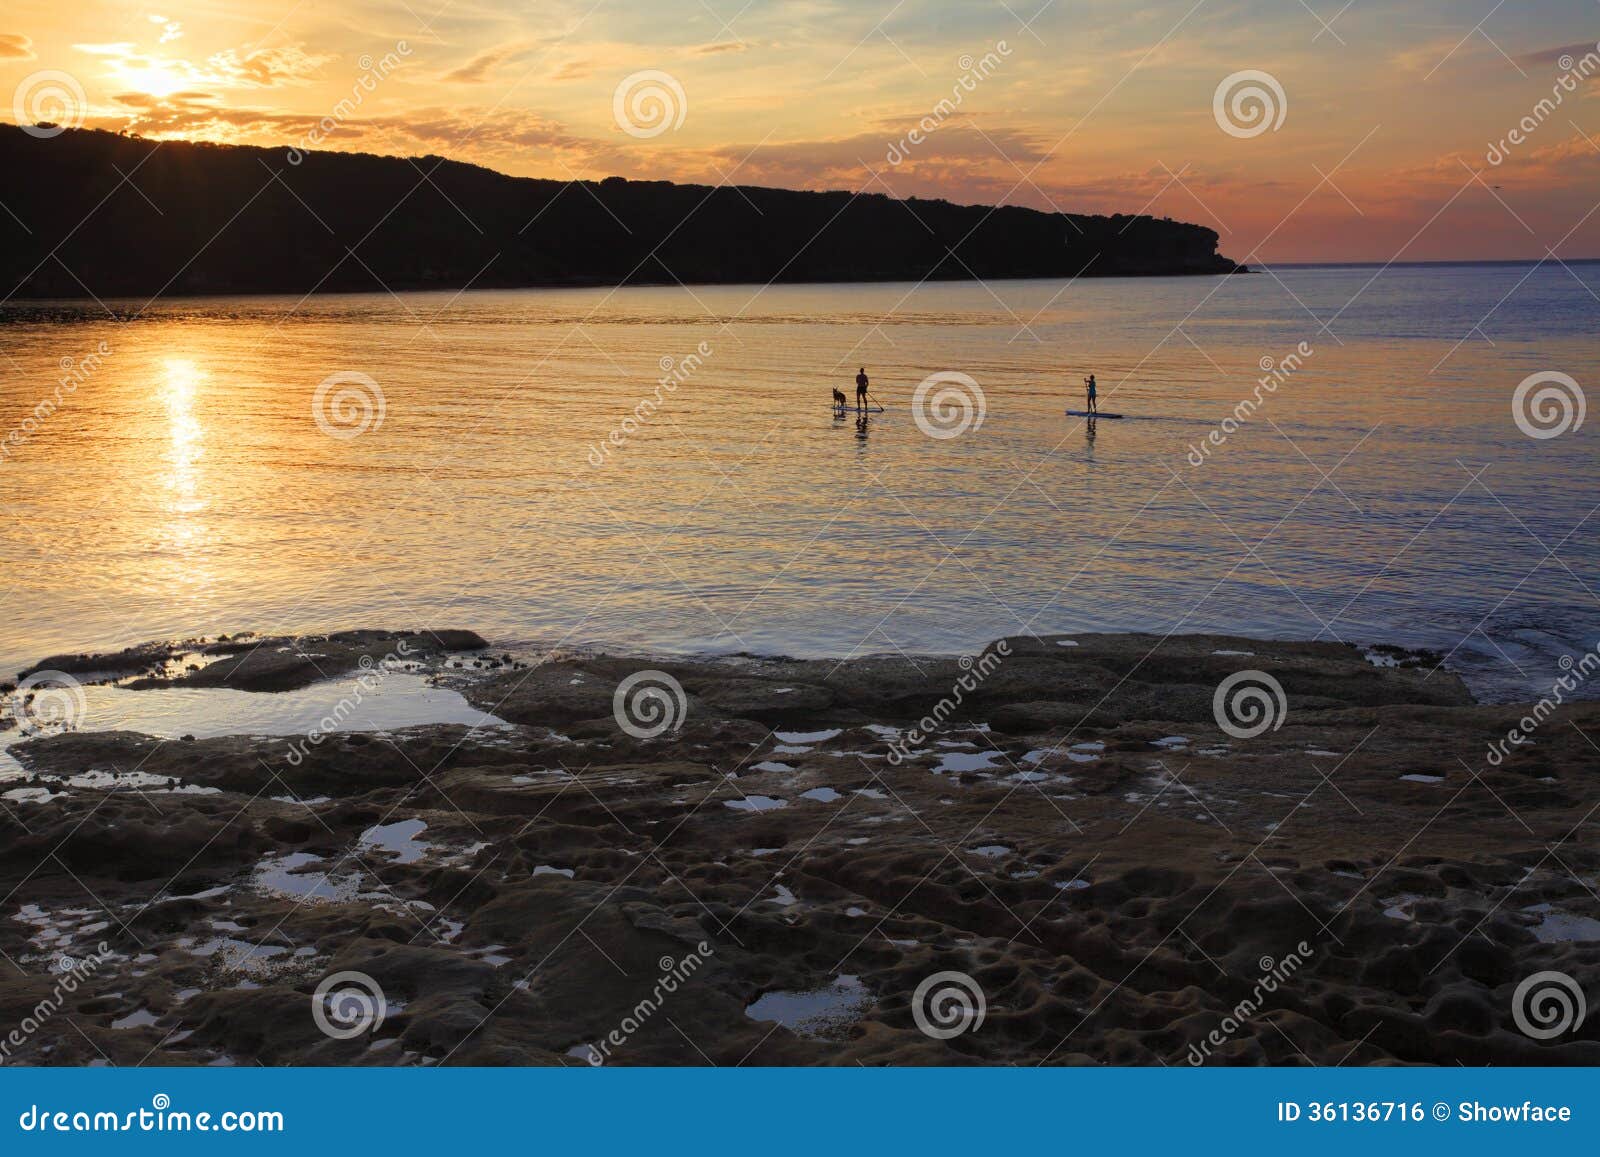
(95, 212)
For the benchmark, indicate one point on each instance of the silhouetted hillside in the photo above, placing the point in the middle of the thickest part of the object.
(219, 218)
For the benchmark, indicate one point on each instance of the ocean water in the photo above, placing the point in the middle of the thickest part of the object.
(520, 469)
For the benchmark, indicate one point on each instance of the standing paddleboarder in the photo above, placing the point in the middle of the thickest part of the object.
(861, 388)
(1093, 406)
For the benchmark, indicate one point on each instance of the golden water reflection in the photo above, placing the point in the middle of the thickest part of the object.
(185, 536)
(180, 382)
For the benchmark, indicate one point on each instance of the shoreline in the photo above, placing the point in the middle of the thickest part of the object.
(1068, 822)
(1485, 689)
(479, 287)
(1290, 266)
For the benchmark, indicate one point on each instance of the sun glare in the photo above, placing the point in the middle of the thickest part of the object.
(180, 377)
(151, 77)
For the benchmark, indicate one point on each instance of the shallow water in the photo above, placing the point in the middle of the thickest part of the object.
(1562, 927)
(818, 1012)
(286, 875)
(398, 839)
(755, 803)
(184, 486)
(399, 699)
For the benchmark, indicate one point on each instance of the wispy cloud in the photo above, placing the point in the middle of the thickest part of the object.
(1556, 54)
(170, 29)
(136, 70)
(481, 67)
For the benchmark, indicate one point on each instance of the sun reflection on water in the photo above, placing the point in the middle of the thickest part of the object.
(185, 536)
(180, 381)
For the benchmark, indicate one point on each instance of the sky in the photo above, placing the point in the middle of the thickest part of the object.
(1367, 130)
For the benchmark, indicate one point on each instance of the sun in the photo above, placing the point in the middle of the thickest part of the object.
(151, 76)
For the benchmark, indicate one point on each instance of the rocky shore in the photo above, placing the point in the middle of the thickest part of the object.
(1062, 851)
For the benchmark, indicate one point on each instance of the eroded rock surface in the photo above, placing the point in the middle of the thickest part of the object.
(1114, 871)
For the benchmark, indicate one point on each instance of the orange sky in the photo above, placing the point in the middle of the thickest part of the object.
(1383, 151)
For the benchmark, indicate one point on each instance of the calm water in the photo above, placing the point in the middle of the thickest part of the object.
(185, 486)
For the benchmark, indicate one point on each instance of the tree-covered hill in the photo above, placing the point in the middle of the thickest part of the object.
(96, 212)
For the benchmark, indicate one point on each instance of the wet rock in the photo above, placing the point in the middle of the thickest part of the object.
(285, 664)
(1118, 896)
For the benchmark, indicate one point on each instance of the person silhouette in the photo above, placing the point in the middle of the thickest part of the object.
(861, 388)
(1093, 405)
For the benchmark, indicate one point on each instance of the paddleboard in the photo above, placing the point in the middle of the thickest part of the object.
(1091, 414)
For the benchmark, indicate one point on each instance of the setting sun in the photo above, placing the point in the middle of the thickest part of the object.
(151, 77)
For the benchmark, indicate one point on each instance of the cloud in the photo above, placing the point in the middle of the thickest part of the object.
(1554, 55)
(131, 69)
(170, 29)
(467, 134)
(267, 67)
(477, 131)
(719, 47)
(477, 70)
(574, 70)
(1428, 56)
(956, 161)
(1570, 162)
(199, 114)
(115, 48)
(15, 47)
